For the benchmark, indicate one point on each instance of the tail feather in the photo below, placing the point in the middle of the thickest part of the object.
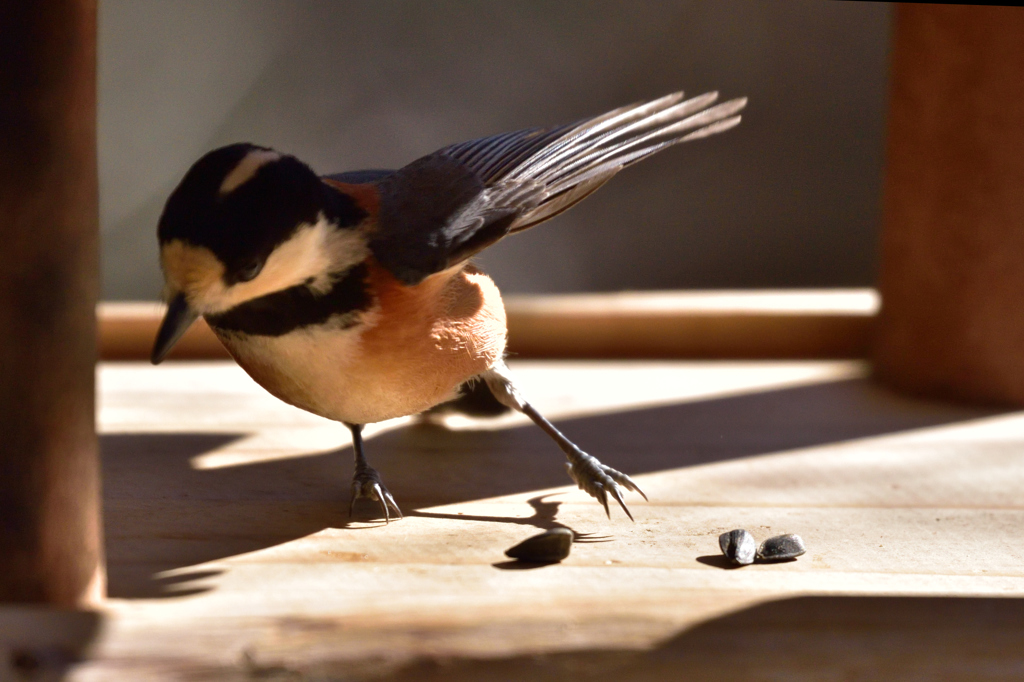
(587, 155)
(561, 165)
(603, 154)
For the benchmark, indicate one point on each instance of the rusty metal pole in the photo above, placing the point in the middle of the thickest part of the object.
(50, 536)
(952, 271)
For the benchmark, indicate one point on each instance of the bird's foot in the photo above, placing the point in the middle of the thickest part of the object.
(599, 480)
(367, 483)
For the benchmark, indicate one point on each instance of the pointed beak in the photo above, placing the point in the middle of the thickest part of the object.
(178, 319)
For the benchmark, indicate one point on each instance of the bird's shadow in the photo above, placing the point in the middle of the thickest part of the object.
(163, 515)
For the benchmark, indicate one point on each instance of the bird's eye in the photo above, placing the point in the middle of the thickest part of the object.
(250, 271)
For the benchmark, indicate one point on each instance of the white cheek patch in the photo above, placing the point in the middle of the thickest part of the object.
(340, 250)
(247, 168)
(311, 254)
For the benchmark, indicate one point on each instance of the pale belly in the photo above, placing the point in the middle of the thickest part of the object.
(417, 347)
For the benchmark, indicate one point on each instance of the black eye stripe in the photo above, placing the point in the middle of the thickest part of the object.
(299, 306)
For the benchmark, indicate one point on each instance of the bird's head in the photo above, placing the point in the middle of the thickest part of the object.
(246, 222)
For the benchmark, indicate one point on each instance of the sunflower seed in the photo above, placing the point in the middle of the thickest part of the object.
(547, 548)
(738, 545)
(781, 547)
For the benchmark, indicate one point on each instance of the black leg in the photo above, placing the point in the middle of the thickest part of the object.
(590, 475)
(366, 482)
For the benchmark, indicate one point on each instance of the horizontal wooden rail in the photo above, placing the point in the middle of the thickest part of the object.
(700, 325)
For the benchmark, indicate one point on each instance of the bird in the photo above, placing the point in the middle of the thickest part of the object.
(354, 296)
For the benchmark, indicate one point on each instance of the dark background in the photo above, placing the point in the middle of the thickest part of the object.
(790, 198)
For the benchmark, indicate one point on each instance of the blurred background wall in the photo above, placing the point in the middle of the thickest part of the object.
(788, 199)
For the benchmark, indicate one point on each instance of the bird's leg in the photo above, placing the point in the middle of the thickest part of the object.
(366, 482)
(589, 474)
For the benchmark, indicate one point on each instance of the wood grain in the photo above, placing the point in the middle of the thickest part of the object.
(231, 556)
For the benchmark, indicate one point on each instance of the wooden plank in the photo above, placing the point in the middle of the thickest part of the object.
(714, 324)
(951, 277)
(50, 542)
(127, 330)
(231, 555)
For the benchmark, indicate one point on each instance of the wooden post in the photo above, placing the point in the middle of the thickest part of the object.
(50, 538)
(952, 273)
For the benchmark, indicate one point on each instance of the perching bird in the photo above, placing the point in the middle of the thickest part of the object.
(352, 296)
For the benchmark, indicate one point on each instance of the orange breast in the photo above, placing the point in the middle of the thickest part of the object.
(430, 338)
(415, 348)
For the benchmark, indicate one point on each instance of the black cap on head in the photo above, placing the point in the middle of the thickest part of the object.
(246, 221)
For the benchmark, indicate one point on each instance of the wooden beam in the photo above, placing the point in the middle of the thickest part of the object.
(50, 547)
(709, 325)
(695, 325)
(952, 275)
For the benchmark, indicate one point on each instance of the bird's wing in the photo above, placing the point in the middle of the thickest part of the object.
(360, 177)
(443, 208)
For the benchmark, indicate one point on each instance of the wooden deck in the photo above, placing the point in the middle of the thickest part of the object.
(231, 557)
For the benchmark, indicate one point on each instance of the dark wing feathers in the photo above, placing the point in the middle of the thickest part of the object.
(443, 208)
(492, 161)
(437, 212)
(559, 203)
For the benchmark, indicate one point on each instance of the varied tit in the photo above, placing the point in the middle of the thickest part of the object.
(352, 296)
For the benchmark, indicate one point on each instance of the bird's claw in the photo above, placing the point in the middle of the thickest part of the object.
(598, 480)
(367, 483)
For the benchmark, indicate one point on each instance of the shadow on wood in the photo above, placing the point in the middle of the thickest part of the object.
(804, 638)
(41, 643)
(163, 515)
